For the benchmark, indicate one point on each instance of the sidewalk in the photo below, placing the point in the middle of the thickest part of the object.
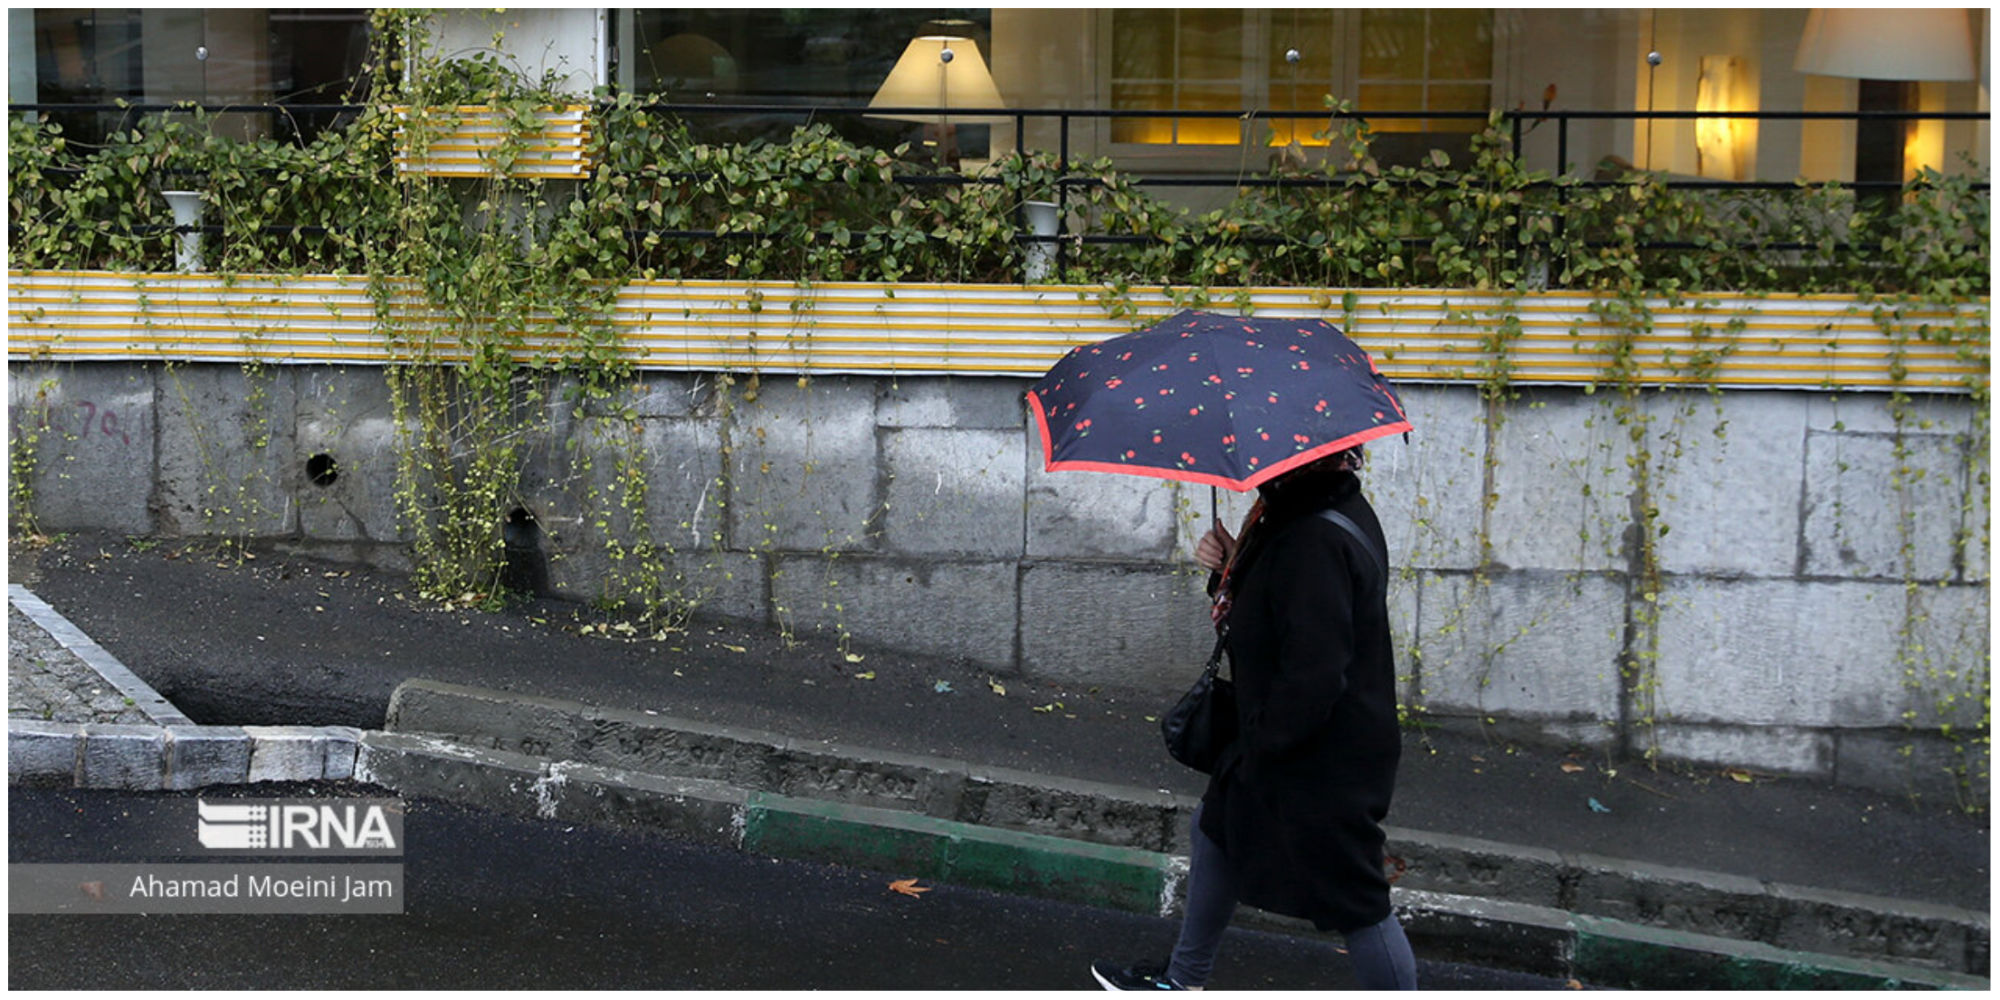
(1557, 863)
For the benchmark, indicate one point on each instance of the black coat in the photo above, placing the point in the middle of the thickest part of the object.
(1297, 807)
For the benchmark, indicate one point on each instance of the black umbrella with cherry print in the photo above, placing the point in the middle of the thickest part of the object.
(1205, 398)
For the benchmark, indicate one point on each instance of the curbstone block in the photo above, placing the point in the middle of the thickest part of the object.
(1618, 955)
(632, 740)
(864, 776)
(1060, 868)
(1467, 866)
(125, 757)
(288, 753)
(198, 756)
(842, 833)
(343, 745)
(1701, 902)
(1074, 810)
(959, 853)
(708, 812)
(40, 751)
(424, 765)
(1493, 932)
(517, 723)
(1865, 927)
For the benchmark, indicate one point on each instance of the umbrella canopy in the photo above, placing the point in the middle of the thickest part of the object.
(1220, 400)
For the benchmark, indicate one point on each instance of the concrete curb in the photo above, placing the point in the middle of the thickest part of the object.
(1719, 906)
(1542, 940)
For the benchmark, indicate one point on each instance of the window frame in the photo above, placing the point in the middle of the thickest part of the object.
(1260, 78)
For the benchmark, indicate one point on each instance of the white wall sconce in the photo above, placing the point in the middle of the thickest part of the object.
(1723, 145)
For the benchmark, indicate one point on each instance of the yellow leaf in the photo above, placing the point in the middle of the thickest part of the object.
(855, 657)
(868, 676)
(908, 887)
(998, 688)
(734, 649)
(1740, 775)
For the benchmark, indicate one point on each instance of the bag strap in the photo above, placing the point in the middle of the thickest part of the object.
(1367, 544)
(1214, 664)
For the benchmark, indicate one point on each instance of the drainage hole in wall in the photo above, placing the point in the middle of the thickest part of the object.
(322, 469)
(526, 570)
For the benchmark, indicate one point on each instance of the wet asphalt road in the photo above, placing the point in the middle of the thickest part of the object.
(496, 902)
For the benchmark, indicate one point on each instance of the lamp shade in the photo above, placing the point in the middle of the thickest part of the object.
(941, 71)
(1910, 44)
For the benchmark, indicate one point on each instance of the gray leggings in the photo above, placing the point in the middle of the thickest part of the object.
(1381, 954)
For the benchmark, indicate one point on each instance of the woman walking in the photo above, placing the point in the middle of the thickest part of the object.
(1291, 819)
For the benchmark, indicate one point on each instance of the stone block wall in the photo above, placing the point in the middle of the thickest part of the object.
(1818, 583)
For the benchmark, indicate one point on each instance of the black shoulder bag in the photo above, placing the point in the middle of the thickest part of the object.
(1202, 725)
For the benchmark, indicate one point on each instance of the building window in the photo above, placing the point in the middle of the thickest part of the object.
(1425, 60)
(1388, 59)
(1184, 60)
(790, 56)
(213, 56)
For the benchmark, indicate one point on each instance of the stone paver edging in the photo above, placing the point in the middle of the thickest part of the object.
(173, 752)
(72, 640)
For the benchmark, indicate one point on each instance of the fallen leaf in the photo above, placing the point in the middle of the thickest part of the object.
(1738, 774)
(855, 657)
(908, 887)
(998, 688)
(865, 676)
(734, 649)
(1571, 767)
(94, 890)
(1573, 985)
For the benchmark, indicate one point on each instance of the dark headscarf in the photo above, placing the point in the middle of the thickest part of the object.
(1311, 487)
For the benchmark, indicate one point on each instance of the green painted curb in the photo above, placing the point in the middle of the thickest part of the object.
(911, 845)
(1617, 954)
